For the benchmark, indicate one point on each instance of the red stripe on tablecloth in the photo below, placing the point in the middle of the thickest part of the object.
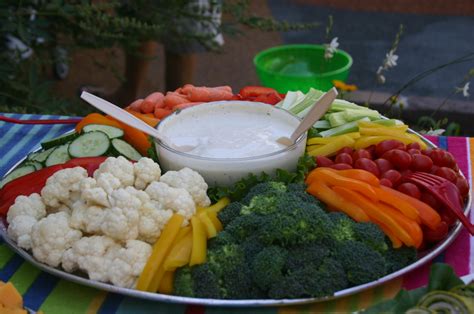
(457, 254)
(195, 309)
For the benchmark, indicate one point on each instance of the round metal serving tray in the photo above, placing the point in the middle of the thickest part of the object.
(423, 258)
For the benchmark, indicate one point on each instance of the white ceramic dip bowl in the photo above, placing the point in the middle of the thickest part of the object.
(231, 139)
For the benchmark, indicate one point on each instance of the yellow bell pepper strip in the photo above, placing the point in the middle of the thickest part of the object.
(326, 140)
(366, 141)
(417, 139)
(375, 213)
(160, 250)
(332, 147)
(215, 221)
(156, 280)
(180, 253)
(359, 174)
(409, 225)
(398, 130)
(332, 178)
(211, 230)
(336, 202)
(166, 285)
(369, 124)
(182, 233)
(223, 202)
(396, 243)
(388, 197)
(198, 251)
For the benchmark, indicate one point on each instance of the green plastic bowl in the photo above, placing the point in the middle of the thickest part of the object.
(299, 67)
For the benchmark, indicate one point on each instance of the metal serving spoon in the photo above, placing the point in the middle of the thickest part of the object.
(130, 120)
(316, 112)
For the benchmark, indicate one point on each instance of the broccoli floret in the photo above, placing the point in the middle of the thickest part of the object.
(361, 263)
(268, 266)
(262, 204)
(309, 281)
(196, 281)
(371, 235)
(229, 213)
(343, 226)
(266, 188)
(398, 258)
(183, 282)
(252, 246)
(311, 254)
(299, 189)
(244, 226)
(223, 238)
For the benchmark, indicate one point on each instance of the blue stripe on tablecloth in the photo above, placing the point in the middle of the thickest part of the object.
(111, 303)
(10, 268)
(134, 305)
(39, 290)
(443, 144)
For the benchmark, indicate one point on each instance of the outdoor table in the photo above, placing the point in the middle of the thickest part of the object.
(50, 294)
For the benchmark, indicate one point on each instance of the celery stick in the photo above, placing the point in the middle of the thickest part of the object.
(309, 100)
(322, 124)
(290, 98)
(352, 114)
(343, 129)
(341, 104)
(338, 118)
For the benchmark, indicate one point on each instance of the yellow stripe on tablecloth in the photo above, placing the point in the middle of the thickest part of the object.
(96, 303)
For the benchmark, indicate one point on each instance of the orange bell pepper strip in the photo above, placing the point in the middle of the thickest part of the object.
(136, 138)
(409, 225)
(335, 201)
(160, 250)
(374, 212)
(147, 118)
(388, 197)
(166, 285)
(428, 216)
(96, 118)
(396, 243)
(359, 174)
(199, 249)
(332, 178)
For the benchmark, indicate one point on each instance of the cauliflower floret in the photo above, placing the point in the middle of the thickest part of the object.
(51, 237)
(63, 187)
(120, 223)
(62, 208)
(22, 216)
(146, 171)
(191, 181)
(108, 182)
(125, 198)
(92, 194)
(92, 255)
(120, 168)
(87, 218)
(176, 199)
(153, 219)
(19, 230)
(27, 206)
(129, 263)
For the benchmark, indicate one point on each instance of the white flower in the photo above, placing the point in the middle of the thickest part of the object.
(464, 90)
(390, 60)
(437, 132)
(330, 48)
(380, 76)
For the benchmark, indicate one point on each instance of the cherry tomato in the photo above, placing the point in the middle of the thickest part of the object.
(421, 163)
(371, 150)
(383, 164)
(386, 182)
(393, 175)
(427, 151)
(347, 150)
(343, 158)
(434, 169)
(462, 185)
(413, 151)
(435, 235)
(442, 158)
(387, 145)
(361, 153)
(446, 173)
(430, 200)
(447, 216)
(414, 146)
(367, 165)
(410, 189)
(400, 159)
(341, 166)
(322, 161)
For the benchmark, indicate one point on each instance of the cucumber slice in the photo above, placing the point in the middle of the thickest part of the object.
(35, 164)
(18, 172)
(40, 156)
(59, 155)
(63, 139)
(90, 144)
(123, 148)
(111, 131)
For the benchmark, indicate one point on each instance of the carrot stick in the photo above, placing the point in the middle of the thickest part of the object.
(186, 105)
(161, 113)
(428, 216)
(374, 212)
(135, 106)
(335, 201)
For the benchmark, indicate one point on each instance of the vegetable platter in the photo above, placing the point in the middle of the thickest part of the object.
(94, 207)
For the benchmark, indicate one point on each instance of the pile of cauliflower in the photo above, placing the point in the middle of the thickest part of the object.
(104, 225)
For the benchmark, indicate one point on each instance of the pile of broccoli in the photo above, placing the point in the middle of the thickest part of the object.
(280, 242)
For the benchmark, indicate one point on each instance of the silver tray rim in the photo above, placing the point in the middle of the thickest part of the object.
(76, 278)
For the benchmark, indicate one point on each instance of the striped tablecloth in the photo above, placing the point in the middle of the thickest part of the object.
(53, 295)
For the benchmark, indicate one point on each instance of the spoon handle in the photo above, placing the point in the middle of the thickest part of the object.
(316, 112)
(120, 114)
